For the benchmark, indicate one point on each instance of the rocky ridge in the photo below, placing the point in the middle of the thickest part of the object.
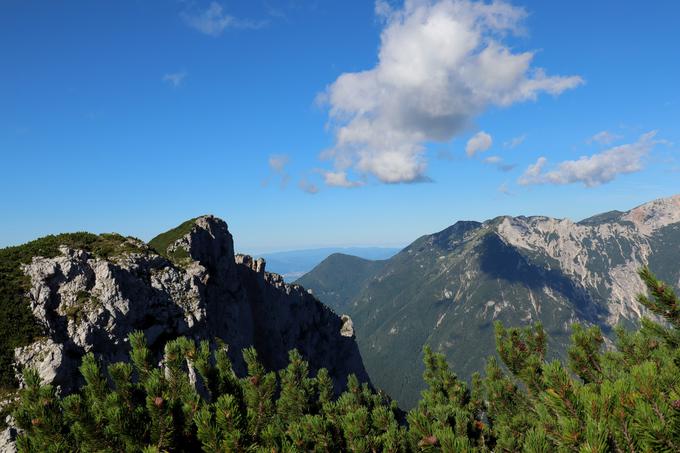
(86, 303)
(197, 287)
(447, 289)
(89, 304)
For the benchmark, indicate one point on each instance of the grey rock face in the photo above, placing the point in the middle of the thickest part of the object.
(347, 327)
(7, 440)
(89, 304)
(9, 435)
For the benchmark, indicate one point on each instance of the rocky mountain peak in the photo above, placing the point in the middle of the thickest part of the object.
(210, 244)
(656, 214)
(186, 282)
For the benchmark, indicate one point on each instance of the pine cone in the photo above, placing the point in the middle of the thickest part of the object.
(428, 441)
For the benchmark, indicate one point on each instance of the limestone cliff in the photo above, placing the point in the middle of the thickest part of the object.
(195, 287)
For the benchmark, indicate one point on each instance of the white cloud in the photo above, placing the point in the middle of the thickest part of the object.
(214, 20)
(593, 170)
(440, 65)
(479, 143)
(383, 9)
(278, 162)
(497, 161)
(175, 78)
(339, 179)
(515, 141)
(604, 138)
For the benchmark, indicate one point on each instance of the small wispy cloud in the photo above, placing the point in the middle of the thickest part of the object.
(504, 189)
(339, 179)
(498, 162)
(278, 162)
(308, 187)
(479, 143)
(175, 79)
(594, 170)
(213, 20)
(604, 138)
(277, 165)
(515, 141)
(276, 11)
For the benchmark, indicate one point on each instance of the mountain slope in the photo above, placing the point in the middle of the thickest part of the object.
(447, 289)
(293, 264)
(88, 292)
(339, 278)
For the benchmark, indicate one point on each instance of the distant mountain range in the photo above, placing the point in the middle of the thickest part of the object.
(446, 289)
(295, 263)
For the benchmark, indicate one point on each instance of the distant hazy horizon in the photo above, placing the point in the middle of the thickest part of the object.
(293, 264)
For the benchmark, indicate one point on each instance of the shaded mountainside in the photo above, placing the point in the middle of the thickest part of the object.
(63, 296)
(447, 289)
(339, 278)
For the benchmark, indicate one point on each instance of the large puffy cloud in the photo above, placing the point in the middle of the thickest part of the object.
(593, 170)
(440, 64)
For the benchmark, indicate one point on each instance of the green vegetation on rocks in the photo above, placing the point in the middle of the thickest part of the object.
(163, 241)
(84, 303)
(18, 326)
(622, 399)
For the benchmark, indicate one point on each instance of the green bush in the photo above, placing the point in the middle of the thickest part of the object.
(623, 399)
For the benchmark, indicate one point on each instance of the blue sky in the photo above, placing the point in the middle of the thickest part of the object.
(401, 118)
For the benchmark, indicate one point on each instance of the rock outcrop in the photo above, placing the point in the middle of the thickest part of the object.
(8, 439)
(196, 287)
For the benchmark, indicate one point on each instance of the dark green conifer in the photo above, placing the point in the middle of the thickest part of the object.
(625, 398)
